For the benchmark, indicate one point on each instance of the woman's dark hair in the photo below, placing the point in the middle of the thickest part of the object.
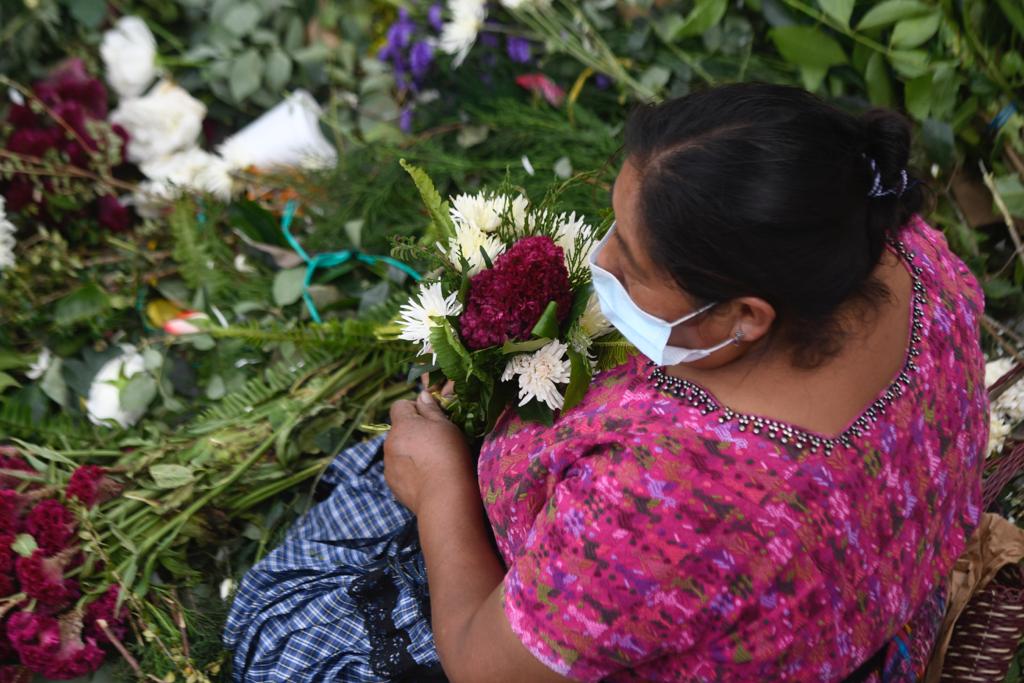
(762, 190)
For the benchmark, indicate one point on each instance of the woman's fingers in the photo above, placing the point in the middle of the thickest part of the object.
(401, 410)
(428, 407)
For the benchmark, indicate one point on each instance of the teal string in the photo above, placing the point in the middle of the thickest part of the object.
(331, 259)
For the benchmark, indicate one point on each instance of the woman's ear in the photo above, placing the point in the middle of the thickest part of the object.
(753, 318)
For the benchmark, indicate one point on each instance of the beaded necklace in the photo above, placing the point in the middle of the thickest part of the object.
(697, 397)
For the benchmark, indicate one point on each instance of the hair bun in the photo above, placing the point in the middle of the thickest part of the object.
(887, 142)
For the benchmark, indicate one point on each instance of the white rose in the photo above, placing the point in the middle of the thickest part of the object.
(7, 241)
(129, 56)
(104, 402)
(191, 170)
(164, 121)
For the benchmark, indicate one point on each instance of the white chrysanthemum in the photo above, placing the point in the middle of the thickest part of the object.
(166, 120)
(129, 57)
(573, 231)
(194, 170)
(416, 316)
(104, 402)
(459, 33)
(538, 374)
(1010, 405)
(997, 433)
(471, 243)
(521, 4)
(520, 213)
(7, 241)
(480, 211)
(994, 369)
(41, 364)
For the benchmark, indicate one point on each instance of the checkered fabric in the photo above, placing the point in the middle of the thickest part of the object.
(344, 598)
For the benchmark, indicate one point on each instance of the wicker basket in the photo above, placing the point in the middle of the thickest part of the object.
(988, 632)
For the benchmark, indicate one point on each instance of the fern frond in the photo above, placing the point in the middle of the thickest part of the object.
(612, 350)
(199, 252)
(16, 421)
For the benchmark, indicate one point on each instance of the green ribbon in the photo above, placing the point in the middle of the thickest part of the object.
(330, 259)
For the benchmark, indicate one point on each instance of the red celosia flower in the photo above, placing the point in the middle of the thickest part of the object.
(103, 608)
(7, 558)
(52, 525)
(91, 485)
(54, 649)
(9, 460)
(12, 506)
(71, 82)
(505, 302)
(113, 214)
(18, 194)
(42, 578)
(542, 85)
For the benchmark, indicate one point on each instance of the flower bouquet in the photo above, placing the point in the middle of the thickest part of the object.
(508, 314)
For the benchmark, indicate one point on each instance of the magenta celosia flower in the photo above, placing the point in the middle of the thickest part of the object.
(54, 649)
(506, 301)
(12, 508)
(42, 578)
(9, 460)
(52, 525)
(90, 485)
(103, 608)
(7, 559)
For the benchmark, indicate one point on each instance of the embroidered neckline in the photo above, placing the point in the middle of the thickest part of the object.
(698, 397)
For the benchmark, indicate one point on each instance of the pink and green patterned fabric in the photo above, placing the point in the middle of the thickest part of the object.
(650, 540)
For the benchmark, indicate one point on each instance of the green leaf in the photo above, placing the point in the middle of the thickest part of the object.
(939, 141)
(288, 285)
(1011, 191)
(536, 411)
(1014, 12)
(511, 347)
(138, 392)
(1000, 288)
(705, 14)
(812, 76)
(655, 77)
(215, 388)
(24, 545)
(909, 63)
(441, 226)
(85, 303)
(807, 46)
(89, 13)
(6, 381)
(279, 70)
(246, 74)
(910, 33)
(52, 383)
(11, 359)
(878, 82)
(170, 476)
(452, 356)
(917, 96)
(891, 11)
(547, 324)
(840, 10)
(242, 18)
(579, 379)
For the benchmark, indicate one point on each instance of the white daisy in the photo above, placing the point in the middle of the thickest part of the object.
(539, 372)
(7, 241)
(1006, 411)
(471, 243)
(41, 364)
(416, 316)
(459, 34)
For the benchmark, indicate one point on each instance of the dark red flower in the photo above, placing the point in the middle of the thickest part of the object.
(7, 560)
(42, 578)
(113, 214)
(10, 460)
(18, 195)
(52, 525)
(54, 649)
(33, 141)
(12, 508)
(103, 608)
(22, 116)
(91, 485)
(71, 82)
(506, 301)
(13, 673)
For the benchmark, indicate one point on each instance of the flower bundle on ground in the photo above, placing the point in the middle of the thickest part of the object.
(508, 315)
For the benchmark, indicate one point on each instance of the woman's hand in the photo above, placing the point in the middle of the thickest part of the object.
(424, 451)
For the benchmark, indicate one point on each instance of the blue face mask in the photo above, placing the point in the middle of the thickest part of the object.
(646, 332)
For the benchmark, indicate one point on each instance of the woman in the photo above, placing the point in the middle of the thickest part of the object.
(774, 490)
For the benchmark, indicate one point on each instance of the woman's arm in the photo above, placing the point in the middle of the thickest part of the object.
(429, 468)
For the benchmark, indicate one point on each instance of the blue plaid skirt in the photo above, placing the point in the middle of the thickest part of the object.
(344, 598)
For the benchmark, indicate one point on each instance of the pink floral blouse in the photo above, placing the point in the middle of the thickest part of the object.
(653, 534)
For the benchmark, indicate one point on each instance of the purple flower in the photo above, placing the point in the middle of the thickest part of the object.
(518, 49)
(488, 39)
(421, 56)
(405, 119)
(602, 81)
(434, 16)
(398, 36)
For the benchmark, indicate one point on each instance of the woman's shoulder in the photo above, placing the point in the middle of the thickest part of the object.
(935, 262)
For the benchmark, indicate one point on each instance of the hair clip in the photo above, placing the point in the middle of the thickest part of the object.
(879, 190)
